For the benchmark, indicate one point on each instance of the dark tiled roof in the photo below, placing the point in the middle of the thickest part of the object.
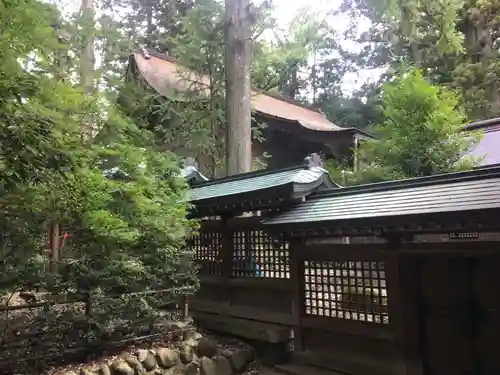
(454, 192)
(301, 179)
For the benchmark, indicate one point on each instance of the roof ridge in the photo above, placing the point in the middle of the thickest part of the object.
(290, 101)
(147, 52)
(444, 178)
(243, 176)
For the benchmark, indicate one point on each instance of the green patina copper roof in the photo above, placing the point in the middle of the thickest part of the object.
(301, 179)
(454, 192)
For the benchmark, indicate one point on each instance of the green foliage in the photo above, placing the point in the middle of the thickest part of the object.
(276, 62)
(477, 83)
(125, 234)
(340, 173)
(421, 133)
(454, 43)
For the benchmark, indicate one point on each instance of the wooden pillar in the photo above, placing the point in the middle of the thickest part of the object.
(401, 276)
(297, 280)
(227, 250)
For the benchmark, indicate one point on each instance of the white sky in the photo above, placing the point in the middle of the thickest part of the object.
(285, 11)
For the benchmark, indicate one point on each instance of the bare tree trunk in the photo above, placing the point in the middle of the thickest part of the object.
(150, 27)
(54, 246)
(87, 58)
(238, 39)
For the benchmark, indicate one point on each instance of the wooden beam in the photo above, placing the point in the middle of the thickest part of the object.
(250, 329)
(243, 312)
(297, 303)
(402, 312)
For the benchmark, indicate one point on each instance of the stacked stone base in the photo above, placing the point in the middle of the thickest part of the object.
(195, 355)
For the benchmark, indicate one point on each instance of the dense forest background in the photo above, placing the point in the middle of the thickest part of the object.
(454, 43)
(437, 65)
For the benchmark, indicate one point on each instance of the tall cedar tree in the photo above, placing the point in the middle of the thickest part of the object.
(238, 42)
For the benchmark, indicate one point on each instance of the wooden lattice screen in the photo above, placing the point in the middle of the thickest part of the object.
(354, 290)
(207, 246)
(256, 254)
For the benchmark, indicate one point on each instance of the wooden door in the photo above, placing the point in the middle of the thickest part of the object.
(459, 319)
(445, 317)
(486, 285)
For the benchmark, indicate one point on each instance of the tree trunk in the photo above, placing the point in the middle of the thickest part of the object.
(87, 59)
(54, 246)
(291, 86)
(150, 27)
(238, 28)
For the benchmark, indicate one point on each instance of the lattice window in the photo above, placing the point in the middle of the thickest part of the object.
(206, 246)
(346, 290)
(257, 254)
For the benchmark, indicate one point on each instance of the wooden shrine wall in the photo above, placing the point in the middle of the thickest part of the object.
(335, 299)
(430, 306)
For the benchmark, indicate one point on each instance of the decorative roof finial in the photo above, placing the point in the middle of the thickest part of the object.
(190, 171)
(190, 162)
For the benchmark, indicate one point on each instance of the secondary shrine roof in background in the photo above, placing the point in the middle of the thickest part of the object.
(169, 78)
(489, 145)
(454, 192)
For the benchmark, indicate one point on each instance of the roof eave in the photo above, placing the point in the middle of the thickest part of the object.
(253, 200)
(303, 190)
(360, 133)
(482, 124)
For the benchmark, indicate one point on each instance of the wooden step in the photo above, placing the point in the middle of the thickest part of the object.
(298, 369)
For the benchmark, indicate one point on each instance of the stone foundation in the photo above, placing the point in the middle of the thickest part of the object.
(194, 355)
